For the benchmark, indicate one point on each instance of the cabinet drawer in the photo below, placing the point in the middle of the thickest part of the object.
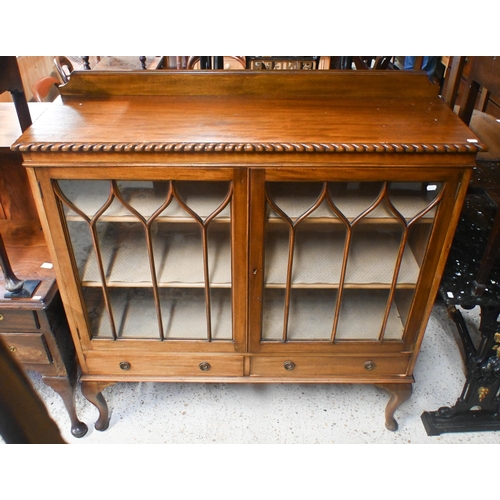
(27, 347)
(329, 366)
(19, 321)
(164, 366)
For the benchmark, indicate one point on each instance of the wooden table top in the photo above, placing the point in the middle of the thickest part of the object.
(10, 129)
(250, 112)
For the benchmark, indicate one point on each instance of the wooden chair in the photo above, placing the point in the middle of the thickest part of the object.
(362, 62)
(282, 62)
(211, 62)
(471, 105)
(64, 67)
(452, 80)
(11, 81)
(181, 62)
(45, 89)
(483, 81)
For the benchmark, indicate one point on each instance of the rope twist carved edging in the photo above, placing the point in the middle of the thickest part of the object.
(186, 147)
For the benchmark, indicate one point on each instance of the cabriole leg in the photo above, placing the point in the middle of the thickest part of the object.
(399, 394)
(66, 389)
(93, 392)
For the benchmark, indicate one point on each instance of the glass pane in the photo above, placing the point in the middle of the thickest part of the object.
(362, 313)
(86, 196)
(81, 239)
(178, 253)
(145, 197)
(373, 256)
(204, 198)
(360, 242)
(100, 320)
(163, 236)
(416, 201)
(184, 313)
(311, 314)
(412, 198)
(219, 272)
(124, 253)
(353, 199)
(296, 198)
(134, 312)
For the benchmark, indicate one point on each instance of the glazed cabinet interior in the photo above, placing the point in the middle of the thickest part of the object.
(154, 258)
(338, 260)
(165, 260)
(237, 262)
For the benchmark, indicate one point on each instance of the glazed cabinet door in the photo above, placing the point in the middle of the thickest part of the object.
(338, 262)
(157, 259)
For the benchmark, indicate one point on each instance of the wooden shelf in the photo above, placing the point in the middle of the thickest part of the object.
(372, 259)
(178, 255)
(183, 314)
(312, 315)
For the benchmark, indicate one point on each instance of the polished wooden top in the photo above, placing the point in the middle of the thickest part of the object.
(10, 129)
(320, 111)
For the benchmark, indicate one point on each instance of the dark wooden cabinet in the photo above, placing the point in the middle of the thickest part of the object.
(249, 227)
(34, 328)
(36, 332)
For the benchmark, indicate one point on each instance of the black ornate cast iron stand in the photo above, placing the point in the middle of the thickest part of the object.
(478, 407)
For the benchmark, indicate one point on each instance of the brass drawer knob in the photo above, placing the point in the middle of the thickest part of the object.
(125, 365)
(369, 365)
(204, 366)
(12, 348)
(1, 317)
(289, 365)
